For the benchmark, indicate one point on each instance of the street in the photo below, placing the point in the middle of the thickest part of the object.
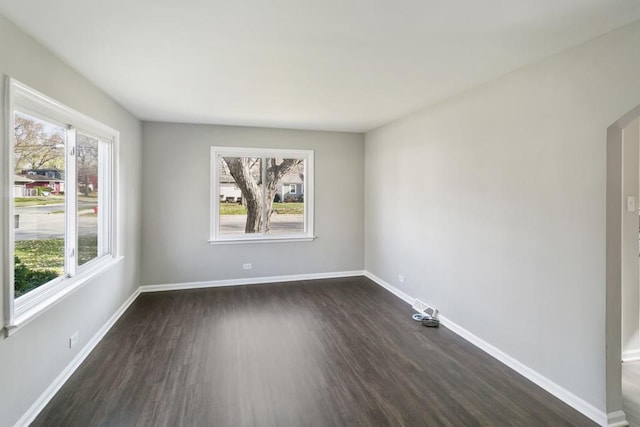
(39, 222)
(280, 224)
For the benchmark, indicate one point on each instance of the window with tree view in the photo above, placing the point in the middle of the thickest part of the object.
(255, 197)
(61, 183)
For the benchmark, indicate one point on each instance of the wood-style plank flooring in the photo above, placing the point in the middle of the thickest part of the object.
(631, 392)
(338, 352)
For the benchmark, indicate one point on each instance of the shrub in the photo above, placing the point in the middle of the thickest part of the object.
(43, 191)
(292, 198)
(26, 279)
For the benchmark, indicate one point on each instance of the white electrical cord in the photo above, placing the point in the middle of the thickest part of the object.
(427, 320)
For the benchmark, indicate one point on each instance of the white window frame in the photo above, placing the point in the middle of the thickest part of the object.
(216, 156)
(19, 97)
(292, 189)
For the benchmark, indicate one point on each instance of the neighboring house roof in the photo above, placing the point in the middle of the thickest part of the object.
(292, 178)
(42, 178)
(17, 179)
(53, 173)
(227, 179)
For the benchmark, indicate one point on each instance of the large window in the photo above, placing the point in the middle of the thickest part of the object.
(61, 207)
(254, 197)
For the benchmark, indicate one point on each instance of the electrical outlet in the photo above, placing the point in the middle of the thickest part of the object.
(246, 266)
(400, 278)
(73, 339)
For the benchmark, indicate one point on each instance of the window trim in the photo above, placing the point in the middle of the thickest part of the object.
(19, 311)
(219, 151)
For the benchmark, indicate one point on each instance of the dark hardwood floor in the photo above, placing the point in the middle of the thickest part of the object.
(339, 352)
(631, 392)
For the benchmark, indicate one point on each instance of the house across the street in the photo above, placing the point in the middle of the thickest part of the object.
(45, 178)
(20, 186)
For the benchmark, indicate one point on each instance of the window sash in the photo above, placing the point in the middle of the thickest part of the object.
(218, 153)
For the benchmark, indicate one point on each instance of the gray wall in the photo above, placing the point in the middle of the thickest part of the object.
(500, 221)
(176, 196)
(630, 273)
(36, 354)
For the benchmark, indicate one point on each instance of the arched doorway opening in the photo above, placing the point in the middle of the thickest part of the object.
(622, 259)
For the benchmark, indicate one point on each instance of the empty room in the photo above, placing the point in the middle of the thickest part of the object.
(297, 213)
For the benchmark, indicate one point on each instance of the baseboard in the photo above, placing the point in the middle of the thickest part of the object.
(558, 391)
(617, 419)
(53, 388)
(249, 281)
(631, 356)
(555, 389)
(631, 411)
(614, 419)
(59, 381)
(397, 292)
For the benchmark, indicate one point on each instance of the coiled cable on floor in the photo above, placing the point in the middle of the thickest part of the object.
(426, 320)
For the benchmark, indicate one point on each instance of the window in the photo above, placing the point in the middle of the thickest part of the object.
(251, 197)
(61, 227)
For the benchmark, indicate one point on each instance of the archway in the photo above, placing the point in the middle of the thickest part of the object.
(622, 247)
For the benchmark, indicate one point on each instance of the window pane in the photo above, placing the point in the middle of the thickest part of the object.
(88, 207)
(285, 180)
(39, 212)
(241, 195)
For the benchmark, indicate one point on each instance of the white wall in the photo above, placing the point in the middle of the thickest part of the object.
(501, 221)
(176, 196)
(630, 272)
(36, 354)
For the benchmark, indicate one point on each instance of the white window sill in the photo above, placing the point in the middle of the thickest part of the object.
(262, 240)
(24, 315)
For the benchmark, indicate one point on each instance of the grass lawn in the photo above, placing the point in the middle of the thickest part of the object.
(49, 254)
(38, 201)
(292, 208)
(42, 254)
(232, 209)
(87, 248)
(50, 200)
(280, 208)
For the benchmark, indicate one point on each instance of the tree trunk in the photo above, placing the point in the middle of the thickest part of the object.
(240, 169)
(250, 183)
(254, 217)
(275, 172)
(86, 185)
(268, 208)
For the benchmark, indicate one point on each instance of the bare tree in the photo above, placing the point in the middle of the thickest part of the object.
(36, 146)
(243, 170)
(86, 161)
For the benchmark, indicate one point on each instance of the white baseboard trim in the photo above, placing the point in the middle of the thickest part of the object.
(631, 356)
(617, 419)
(555, 389)
(614, 419)
(397, 292)
(53, 388)
(62, 378)
(558, 391)
(248, 281)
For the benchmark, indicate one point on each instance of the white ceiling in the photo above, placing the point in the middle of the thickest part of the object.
(324, 64)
